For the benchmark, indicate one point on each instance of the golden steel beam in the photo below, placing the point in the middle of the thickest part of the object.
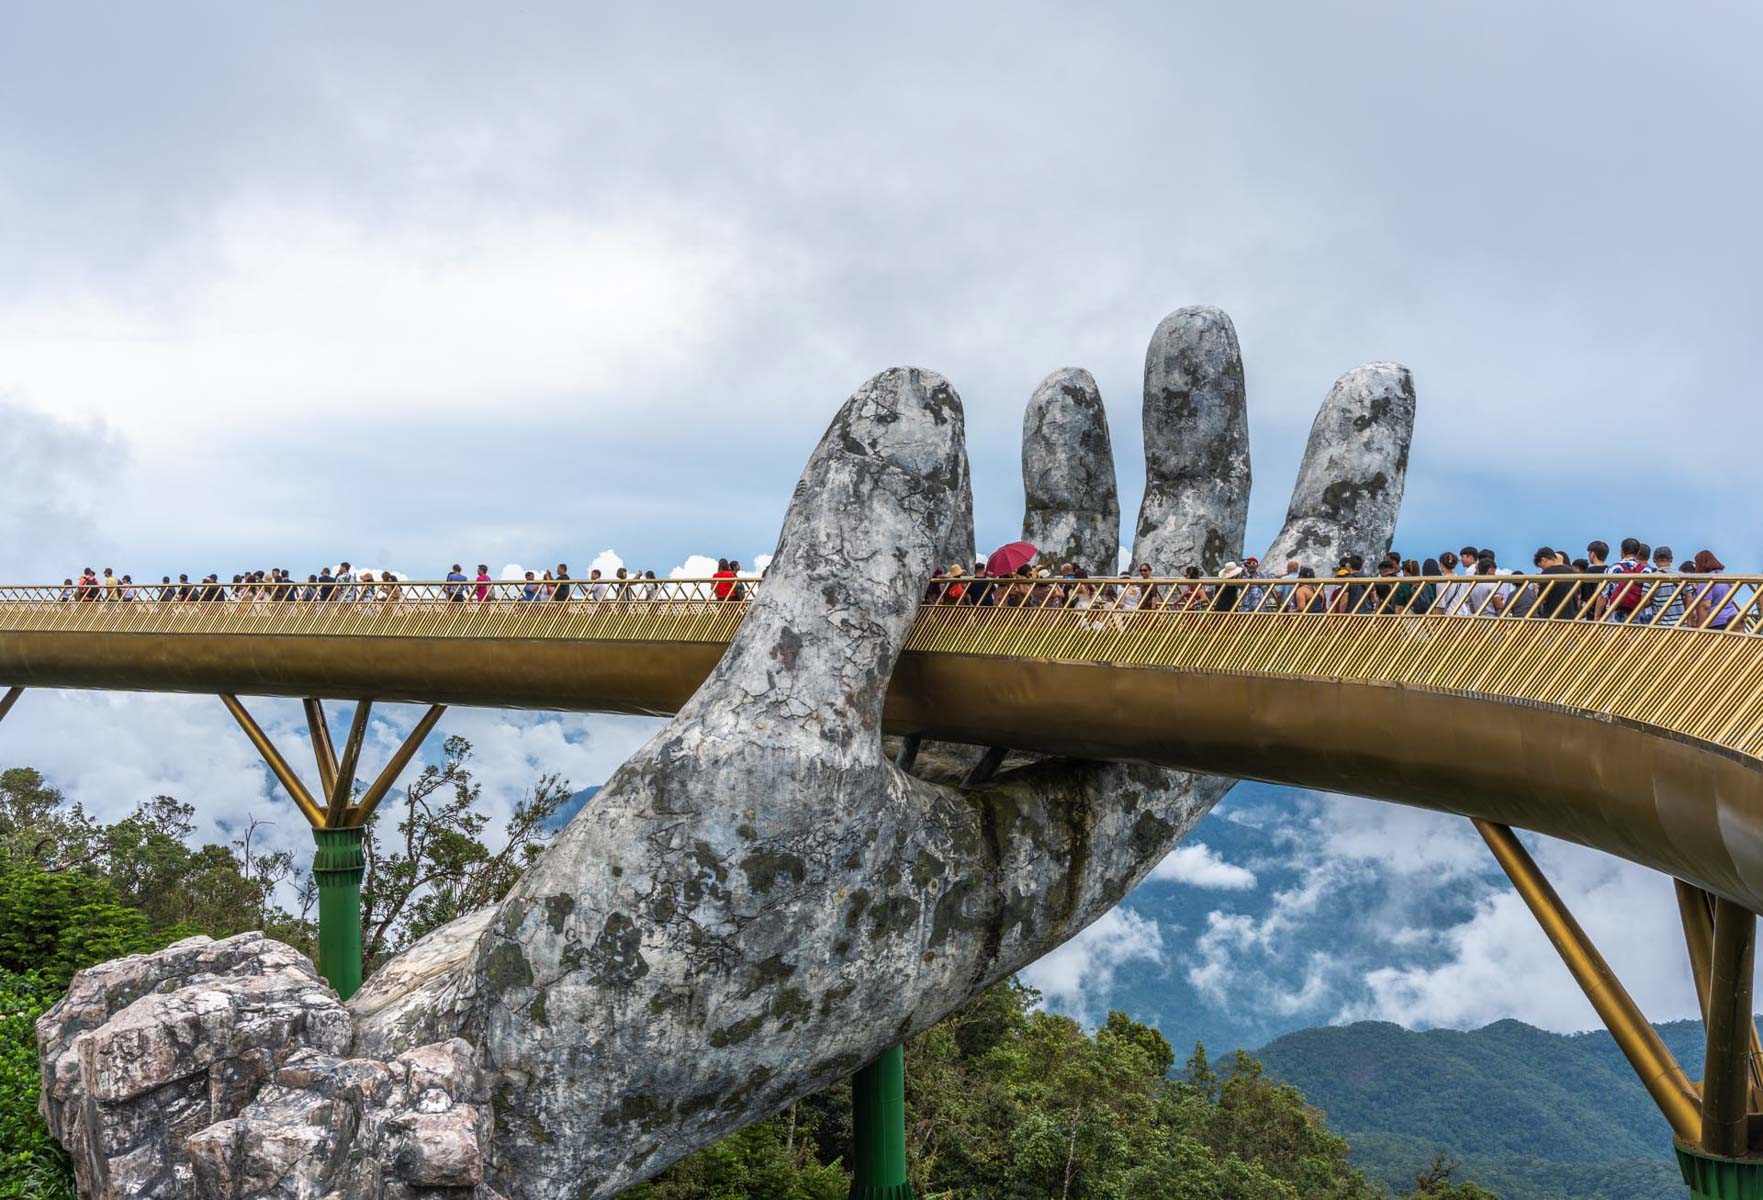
(343, 778)
(1639, 1041)
(1696, 908)
(376, 791)
(7, 701)
(277, 764)
(1725, 1078)
(322, 748)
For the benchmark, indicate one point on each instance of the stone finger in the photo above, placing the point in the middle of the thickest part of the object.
(1349, 489)
(1072, 510)
(1197, 477)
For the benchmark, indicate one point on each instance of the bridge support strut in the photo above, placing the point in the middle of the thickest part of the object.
(8, 700)
(1718, 1168)
(1638, 1041)
(878, 1121)
(339, 827)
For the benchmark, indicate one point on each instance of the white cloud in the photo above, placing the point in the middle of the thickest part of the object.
(1628, 912)
(1398, 839)
(1198, 865)
(312, 309)
(607, 563)
(702, 566)
(1078, 975)
(696, 566)
(57, 472)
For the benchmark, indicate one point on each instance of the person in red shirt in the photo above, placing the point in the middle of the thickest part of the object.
(483, 582)
(725, 574)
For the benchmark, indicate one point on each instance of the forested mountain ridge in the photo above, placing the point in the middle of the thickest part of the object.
(1534, 1115)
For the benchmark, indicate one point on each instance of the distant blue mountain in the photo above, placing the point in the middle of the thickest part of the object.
(1307, 971)
(567, 810)
(1531, 1115)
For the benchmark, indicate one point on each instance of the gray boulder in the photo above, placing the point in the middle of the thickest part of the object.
(145, 1051)
(1072, 511)
(355, 1129)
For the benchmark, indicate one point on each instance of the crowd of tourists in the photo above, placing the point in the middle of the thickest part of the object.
(344, 584)
(1468, 582)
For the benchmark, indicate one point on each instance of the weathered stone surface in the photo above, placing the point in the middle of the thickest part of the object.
(1355, 467)
(416, 998)
(1196, 503)
(959, 547)
(1072, 509)
(145, 1051)
(758, 902)
(419, 1125)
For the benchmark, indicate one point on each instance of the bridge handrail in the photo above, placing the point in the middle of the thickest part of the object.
(1697, 672)
(1712, 603)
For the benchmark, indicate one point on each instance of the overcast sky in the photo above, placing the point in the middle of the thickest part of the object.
(424, 283)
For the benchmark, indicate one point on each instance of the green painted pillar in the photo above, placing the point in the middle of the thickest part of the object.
(337, 867)
(878, 1121)
(1711, 1177)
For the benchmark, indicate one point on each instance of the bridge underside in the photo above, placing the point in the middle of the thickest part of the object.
(1689, 808)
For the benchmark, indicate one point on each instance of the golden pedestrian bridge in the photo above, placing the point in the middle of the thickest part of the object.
(1629, 722)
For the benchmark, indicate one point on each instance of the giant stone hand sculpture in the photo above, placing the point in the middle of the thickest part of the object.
(758, 903)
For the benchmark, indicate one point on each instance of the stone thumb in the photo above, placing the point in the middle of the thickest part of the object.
(871, 513)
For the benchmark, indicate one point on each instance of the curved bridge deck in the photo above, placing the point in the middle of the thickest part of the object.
(1639, 738)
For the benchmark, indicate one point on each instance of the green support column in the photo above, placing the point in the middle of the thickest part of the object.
(878, 1121)
(1713, 1178)
(337, 867)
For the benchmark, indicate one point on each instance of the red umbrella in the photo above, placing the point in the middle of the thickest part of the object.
(1007, 560)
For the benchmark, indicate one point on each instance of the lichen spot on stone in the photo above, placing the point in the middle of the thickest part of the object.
(507, 967)
(787, 649)
(927, 868)
(1150, 832)
(557, 910)
(740, 1031)
(763, 867)
(616, 955)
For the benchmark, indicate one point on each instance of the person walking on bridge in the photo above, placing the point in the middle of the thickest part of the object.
(1715, 608)
(1618, 602)
(1587, 603)
(560, 583)
(1552, 599)
(1307, 594)
(483, 582)
(1666, 605)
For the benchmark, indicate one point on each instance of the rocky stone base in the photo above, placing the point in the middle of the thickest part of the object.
(218, 1069)
(355, 1129)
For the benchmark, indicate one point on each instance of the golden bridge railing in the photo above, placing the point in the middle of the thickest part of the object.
(1673, 651)
(708, 610)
